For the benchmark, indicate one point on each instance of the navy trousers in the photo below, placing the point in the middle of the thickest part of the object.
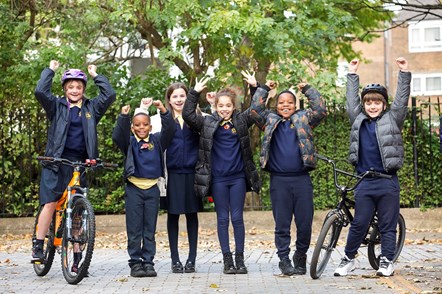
(292, 196)
(141, 223)
(229, 197)
(381, 195)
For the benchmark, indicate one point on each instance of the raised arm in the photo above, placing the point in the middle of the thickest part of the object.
(317, 110)
(43, 91)
(190, 116)
(121, 132)
(353, 105)
(399, 107)
(106, 96)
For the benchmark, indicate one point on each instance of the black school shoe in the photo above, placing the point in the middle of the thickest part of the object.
(177, 267)
(285, 265)
(189, 267)
(299, 262)
(150, 270)
(137, 271)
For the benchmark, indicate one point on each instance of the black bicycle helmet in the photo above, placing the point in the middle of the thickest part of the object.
(377, 88)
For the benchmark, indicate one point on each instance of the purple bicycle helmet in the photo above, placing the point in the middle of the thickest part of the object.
(377, 88)
(73, 74)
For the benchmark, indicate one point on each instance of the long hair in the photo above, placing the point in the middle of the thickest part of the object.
(226, 92)
(169, 92)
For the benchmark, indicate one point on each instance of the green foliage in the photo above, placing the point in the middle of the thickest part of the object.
(287, 41)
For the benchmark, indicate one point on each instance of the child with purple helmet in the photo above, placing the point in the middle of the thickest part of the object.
(72, 134)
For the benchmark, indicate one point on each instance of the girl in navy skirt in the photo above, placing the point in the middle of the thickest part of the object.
(72, 135)
(181, 157)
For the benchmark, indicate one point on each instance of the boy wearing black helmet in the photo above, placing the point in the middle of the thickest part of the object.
(72, 134)
(376, 144)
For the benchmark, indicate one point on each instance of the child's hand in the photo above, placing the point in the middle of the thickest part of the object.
(125, 109)
(146, 103)
(301, 86)
(353, 66)
(271, 84)
(92, 69)
(402, 63)
(201, 85)
(210, 98)
(54, 65)
(249, 78)
(158, 104)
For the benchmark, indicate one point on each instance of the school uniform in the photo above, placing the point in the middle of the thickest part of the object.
(376, 144)
(225, 167)
(287, 152)
(72, 132)
(143, 165)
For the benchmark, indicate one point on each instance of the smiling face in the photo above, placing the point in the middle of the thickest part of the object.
(177, 99)
(225, 107)
(286, 105)
(74, 90)
(141, 126)
(373, 108)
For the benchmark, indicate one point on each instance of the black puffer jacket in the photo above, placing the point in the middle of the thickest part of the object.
(206, 126)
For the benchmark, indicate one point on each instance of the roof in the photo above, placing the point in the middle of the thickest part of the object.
(417, 10)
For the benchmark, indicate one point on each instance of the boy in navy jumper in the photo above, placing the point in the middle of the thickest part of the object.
(72, 135)
(225, 167)
(376, 144)
(287, 152)
(143, 165)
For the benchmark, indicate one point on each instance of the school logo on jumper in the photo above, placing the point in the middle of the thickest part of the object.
(149, 146)
(233, 131)
(292, 126)
(88, 115)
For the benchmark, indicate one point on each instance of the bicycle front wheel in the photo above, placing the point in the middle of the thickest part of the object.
(374, 245)
(327, 240)
(42, 268)
(78, 241)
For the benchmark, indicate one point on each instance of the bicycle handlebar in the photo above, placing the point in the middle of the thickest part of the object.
(89, 163)
(360, 177)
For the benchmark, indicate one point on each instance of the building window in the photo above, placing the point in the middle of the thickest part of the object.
(426, 84)
(425, 36)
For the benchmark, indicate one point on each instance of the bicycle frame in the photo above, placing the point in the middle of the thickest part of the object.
(62, 204)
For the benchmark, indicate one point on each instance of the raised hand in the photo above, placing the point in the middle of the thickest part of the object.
(92, 69)
(249, 78)
(158, 104)
(402, 63)
(301, 86)
(125, 109)
(201, 85)
(146, 103)
(54, 65)
(210, 98)
(271, 84)
(353, 66)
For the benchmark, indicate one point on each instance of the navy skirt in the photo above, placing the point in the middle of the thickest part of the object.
(53, 184)
(181, 198)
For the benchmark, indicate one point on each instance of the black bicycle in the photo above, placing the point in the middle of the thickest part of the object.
(341, 217)
(72, 229)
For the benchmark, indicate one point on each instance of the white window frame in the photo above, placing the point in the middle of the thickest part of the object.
(423, 91)
(422, 46)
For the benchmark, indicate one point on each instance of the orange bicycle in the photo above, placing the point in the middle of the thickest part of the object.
(72, 229)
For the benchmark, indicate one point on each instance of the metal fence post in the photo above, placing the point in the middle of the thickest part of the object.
(415, 163)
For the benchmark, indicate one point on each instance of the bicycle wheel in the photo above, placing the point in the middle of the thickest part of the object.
(42, 268)
(327, 240)
(374, 245)
(78, 244)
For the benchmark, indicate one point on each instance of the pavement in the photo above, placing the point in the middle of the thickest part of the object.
(418, 269)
